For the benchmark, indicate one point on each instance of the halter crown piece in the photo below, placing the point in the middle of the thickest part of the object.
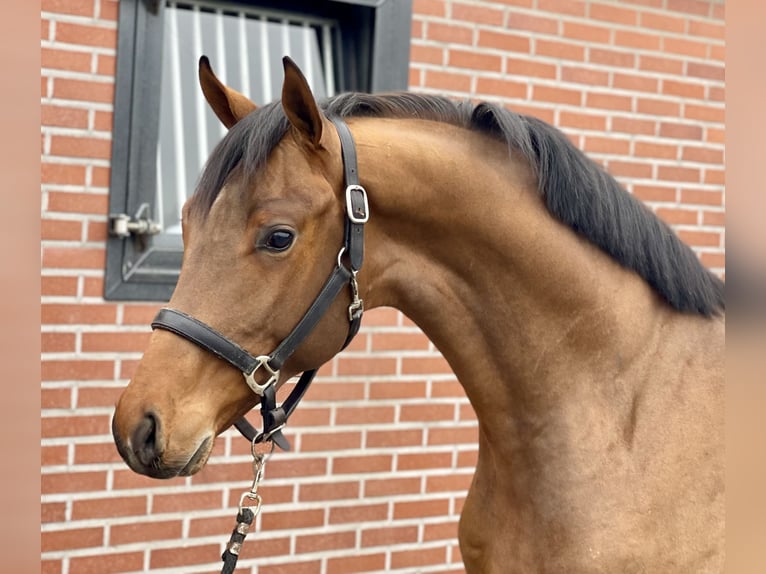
(350, 260)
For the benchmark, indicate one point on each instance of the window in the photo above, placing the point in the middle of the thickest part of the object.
(163, 130)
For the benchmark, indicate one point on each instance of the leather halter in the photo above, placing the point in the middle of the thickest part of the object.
(274, 416)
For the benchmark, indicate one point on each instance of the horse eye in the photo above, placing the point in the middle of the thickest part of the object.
(279, 240)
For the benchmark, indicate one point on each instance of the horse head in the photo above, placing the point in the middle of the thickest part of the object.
(261, 235)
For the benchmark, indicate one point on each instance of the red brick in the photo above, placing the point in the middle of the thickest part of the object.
(477, 13)
(714, 218)
(427, 412)
(145, 531)
(397, 390)
(562, 50)
(571, 7)
(96, 231)
(324, 542)
(425, 365)
(115, 342)
(418, 557)
(579, 120)
(697, 7)
(608, 101)
(654, 193)
(74, 7)
(389, 536)
(467, 459)
(429, 7)
(587, 32)
(421, 508)
(178, 502)
(545, 114)
(391, 487)
(504, 41)
(611, 57)
(362, 512)
(702, 154)
(62, 370)
(658, 107)
(58, 285)
(449, 33)
(584, 76)
(609, 145)
(449, 483)
(422, 461)
(358, 563)
(291, 520)
(706, 113)
(501, 87)
(394, 438)
(56, 540)
(634, 82)
(54, 455)
(86, 147)
(700, 238)
(440, 531)
(65, 60)
(475, 61)
(72, 202)
(612, 13)
(56, 483)
(74, 257)
(448, 81)
(293, 567)
(715, 176)
(630, 169)
(183, 556)
(556, 95)
(706, 71)
(427, 54)
(109, 507)
(98, 397)
(663, 21)
(683, 89)
(103, 122)
(680, 131)
(107, 563)
(336, 490)
(525, 68)
(61, 230)
(109, 10)
(707, 29)
(532, 23)
(715, 135)
(364, 415)
(713, 260)
(639, 40)
(363, 464)
(684, 47)
(658, 150)
(324, 442)
(75, 314)
(289, 468)
(456, 435)
(663, 64)
(97, 453)
(85, 35)
(52, 512)
(83, 90)
(62, 116)
(106, 65)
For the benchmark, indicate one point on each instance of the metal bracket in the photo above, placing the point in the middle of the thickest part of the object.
(122, 225)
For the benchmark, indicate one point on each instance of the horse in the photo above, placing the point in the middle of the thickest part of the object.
(587, 337)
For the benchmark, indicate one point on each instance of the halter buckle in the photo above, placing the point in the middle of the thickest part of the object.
(263, 361)
(357, 207)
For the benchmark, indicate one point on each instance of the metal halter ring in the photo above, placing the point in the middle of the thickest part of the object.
(263, 361)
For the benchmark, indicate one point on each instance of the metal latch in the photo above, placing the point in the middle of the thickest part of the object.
(122, 225)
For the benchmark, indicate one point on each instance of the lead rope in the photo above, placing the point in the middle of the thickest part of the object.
(246, 515)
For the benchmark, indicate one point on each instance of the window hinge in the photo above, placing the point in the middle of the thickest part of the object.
(122, 225)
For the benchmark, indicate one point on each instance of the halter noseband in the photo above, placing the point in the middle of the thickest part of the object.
(274, 416)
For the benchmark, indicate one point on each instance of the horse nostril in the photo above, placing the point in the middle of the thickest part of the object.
(145, 442)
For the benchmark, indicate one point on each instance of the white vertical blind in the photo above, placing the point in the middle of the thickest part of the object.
(245, 45)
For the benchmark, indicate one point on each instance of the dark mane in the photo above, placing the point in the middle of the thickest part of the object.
(577, 191)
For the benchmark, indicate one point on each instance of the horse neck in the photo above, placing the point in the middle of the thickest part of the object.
(460, 241)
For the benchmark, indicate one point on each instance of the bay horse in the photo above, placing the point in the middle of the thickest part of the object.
(588, 338)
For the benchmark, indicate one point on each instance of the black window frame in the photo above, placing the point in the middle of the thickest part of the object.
(374, 43)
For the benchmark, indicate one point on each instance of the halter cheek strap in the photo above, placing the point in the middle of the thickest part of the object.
(275, 416)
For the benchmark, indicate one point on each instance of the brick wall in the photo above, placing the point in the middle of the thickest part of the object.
(386, 441)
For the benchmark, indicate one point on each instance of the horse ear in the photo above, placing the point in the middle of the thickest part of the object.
(229, 105)
(299, 104)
